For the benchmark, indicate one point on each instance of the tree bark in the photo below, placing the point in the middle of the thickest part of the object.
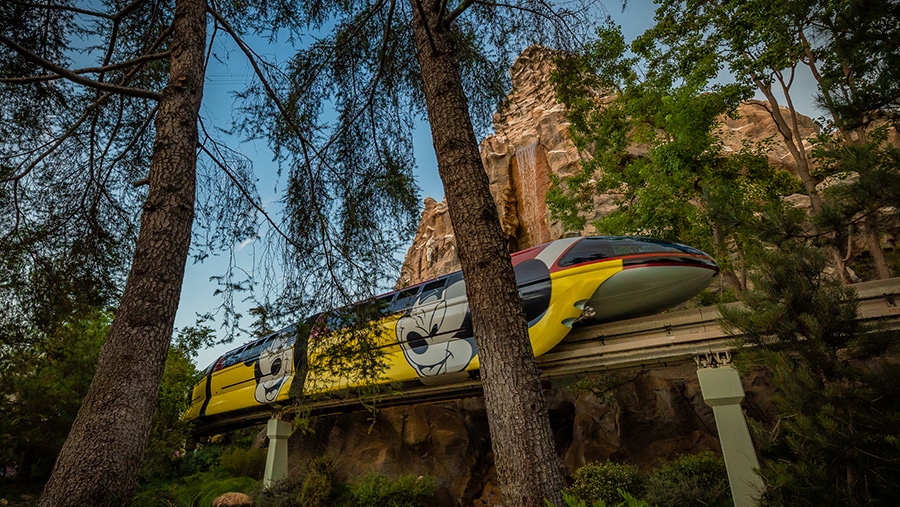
(527, 464)
(101, 459)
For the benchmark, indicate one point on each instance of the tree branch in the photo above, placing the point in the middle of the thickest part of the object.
(425, 24)
(59, 7)
(224, 167)
(75, 78)
(451, 17)
(89, 70)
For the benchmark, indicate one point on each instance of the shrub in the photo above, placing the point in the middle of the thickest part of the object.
(692, 479)
(404, 491)
(313, 487)
(193, 491)
(602, 481)
(316, 490)
(627, 501)
(244, 462)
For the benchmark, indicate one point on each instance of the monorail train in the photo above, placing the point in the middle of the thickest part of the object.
(425, 331)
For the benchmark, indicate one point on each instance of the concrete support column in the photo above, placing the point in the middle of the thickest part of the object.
(278, 432)
(722, 390)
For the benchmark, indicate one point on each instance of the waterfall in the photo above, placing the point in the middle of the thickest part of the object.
(532, 215)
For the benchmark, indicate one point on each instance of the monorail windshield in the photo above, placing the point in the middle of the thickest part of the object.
(597, 248)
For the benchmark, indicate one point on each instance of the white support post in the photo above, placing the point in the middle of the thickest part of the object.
(278, 432)
(722, 390)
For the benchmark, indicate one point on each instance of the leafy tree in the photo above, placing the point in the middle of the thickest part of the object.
(168, 432)
(848, 47)
(653, 147)
(835, 439)
(852, 52)
(41, 387)
(865, 190)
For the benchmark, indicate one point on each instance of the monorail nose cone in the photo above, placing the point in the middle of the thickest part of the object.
(646, 290)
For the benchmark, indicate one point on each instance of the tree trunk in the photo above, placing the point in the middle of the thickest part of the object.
(873, 241)
(527, 465)
(100, 461)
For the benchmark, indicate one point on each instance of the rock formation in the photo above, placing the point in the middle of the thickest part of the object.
(531, 142)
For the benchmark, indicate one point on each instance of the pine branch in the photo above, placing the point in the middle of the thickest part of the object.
(76, 78)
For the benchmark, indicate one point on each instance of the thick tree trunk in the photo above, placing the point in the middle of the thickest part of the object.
(101, 459)
(527, 465)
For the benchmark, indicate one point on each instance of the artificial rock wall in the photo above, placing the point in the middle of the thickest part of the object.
(530, 143)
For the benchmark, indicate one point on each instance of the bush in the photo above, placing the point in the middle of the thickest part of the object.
(602, 481)
(244, 462)
(312, 488)
(380, 491)
(197, 490)
(692, 479)
(627, 501)
(316, 490)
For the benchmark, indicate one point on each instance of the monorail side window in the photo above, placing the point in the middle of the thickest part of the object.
(234, 357)
(632, 246)
(434, 285)
(587, 250)
(405, 298)
(252, 352)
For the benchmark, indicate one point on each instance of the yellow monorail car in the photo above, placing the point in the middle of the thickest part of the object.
(425, 331)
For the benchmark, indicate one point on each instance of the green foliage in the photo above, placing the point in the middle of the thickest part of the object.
(315, 487)
(628, 501)
(865, 190)
(859, 62)
(380, 491)
(41, 387)
(691, 479)
(246, 462)
(316, 491)
(681, 187)
(205, 458)
(603, 481)
(165, 453)
(198, 490)
(835, 441)
(312, 487)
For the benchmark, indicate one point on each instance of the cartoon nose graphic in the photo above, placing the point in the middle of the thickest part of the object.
(416, 342)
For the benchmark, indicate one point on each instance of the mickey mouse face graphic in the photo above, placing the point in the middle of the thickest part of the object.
(273, 367)
(435, 334)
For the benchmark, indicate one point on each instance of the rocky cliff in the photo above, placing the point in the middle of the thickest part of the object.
(531, 142)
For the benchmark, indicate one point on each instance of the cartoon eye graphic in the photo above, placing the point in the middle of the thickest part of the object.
(434, 337)
(276, 366)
